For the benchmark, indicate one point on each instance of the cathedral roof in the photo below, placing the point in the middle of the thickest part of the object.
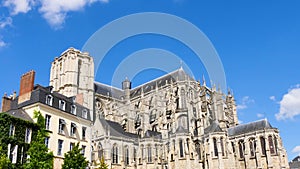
(117, 130)
(150, 133)
(214, 127)
(177, 75)
(249, 127)
(107, 90)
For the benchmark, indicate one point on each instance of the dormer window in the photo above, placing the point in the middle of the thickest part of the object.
(49, 100)
(73, 109)
(62, 105)
(84, 113)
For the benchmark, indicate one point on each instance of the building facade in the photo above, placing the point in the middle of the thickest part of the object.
(67, 121)
(173, 121)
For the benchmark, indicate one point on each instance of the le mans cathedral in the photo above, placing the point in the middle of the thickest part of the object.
(172, 122)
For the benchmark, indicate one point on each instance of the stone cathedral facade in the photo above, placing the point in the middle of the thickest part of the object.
(171, 122)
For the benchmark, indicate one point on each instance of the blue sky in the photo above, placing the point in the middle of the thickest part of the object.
(257, 42)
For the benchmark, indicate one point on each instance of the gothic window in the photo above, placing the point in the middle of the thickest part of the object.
(198, 150)
(215, 147)
(100, 151)
(142, 151)
(233, 147)
(126, 156)
(134, 154)
(242, 148)
(181, 152)
(252, 146)
(182, 121)
(156, 150)
(115, 154)
(188, 144)
(49, 100)
(149, 154)
(271, 145)
(263, 145)
(152, 116)
(222, 146)
(182, 98)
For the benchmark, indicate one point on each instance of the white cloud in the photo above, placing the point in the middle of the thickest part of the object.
(18, 6)
(2, 43)
(289, 105)
(296, 150)
(259, 115)
(245, 102)
(273, 98)
(55, 11)
(5, 21)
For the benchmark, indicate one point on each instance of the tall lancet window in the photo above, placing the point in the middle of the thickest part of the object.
(182, 99)
(215, 147)
(181, 148)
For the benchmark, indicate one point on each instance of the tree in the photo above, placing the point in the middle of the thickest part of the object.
(74, 159)
(4, 161)
(40, 157)
(102, 164)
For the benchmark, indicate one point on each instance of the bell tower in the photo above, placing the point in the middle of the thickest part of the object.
(72, 74)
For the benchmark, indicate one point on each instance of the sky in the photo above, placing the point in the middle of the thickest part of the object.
(257, 43)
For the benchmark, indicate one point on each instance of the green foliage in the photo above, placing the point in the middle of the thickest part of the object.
(40, 158)
(4, 161)
(74, 159)
(17, 139)
(102, 164)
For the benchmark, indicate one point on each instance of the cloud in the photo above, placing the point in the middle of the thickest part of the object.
(5, 21)
(55, 11)
(18, 6)
(290, 104)
(245, 102)
(260, 115)
(2, 43)
(273, 98)
(296, 150)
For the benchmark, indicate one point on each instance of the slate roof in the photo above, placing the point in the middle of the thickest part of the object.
(214, 127)
(107, 90)
(177, 75)
(249, 127)
(21, 114)
(117, 130)
(295, 163)
(154, 134)
(39, 94)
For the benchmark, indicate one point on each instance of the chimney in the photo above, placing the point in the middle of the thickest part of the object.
(6, 103)
(26, 86)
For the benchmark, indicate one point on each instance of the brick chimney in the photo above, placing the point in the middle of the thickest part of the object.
(6, 103)
(26, 86)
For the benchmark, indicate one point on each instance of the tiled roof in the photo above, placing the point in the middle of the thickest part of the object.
(249, 127)
(21, 114)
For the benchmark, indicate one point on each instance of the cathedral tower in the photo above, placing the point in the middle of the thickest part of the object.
(72, 74)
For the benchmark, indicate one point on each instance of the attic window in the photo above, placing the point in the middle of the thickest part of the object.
(49, 100)
(84, 113)
(62, 105)
(73, 109)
